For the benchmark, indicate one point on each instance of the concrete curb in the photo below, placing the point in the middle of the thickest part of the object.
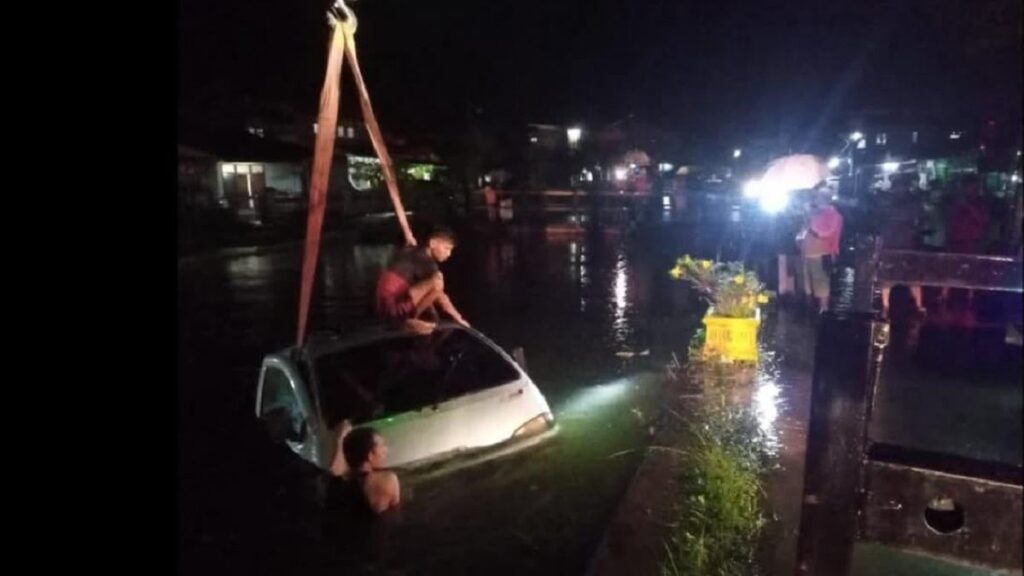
(634, 541)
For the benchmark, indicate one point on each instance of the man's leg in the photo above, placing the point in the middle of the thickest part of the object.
(819, 282)
(806, 291)
(425, 294)
(915, 293)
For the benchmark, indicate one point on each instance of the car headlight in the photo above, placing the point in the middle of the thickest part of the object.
(535, 426)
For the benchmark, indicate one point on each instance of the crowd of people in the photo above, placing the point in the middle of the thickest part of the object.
(959, 219)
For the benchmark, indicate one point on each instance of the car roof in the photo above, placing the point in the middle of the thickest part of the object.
(326, 343)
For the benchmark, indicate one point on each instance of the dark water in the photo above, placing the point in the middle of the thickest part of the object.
(598, 318)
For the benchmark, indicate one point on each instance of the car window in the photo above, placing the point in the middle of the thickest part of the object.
(279, 397)
(472, 366)
(404, 373)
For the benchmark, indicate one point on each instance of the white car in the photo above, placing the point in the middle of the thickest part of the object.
(430, 397)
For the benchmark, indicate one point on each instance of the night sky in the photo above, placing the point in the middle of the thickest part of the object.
(719, 68)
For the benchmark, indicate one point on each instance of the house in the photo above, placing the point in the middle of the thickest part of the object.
(246, 171)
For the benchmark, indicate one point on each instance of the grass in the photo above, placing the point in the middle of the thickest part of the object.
(720, 512)
(720, 517)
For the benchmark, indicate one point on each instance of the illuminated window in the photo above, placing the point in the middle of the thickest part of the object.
(227, 169)
(364, 173)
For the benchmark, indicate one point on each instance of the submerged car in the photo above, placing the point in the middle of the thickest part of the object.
(430, 396)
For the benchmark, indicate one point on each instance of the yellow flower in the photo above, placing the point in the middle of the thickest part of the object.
(705, 264)
(676, 273)
(762, 298)
(739, 279)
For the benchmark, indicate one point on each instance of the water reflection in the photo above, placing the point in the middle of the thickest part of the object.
(842, 290)
(766, 406)
(247, 272)
(593, 397)
(619, 292)
(768, 401)
(578, 262)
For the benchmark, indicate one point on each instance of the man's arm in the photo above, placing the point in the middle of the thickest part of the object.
(445, 302)
(446, 305)
(338, 465)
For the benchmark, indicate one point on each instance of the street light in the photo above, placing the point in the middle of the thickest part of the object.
(737, 153)
(574, 134)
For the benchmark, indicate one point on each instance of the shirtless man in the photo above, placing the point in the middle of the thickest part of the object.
(360, 459)
(412, 284)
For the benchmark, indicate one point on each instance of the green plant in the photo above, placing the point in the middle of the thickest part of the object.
(720, 496)
(737, 430)
(734, 291)
(720, 515)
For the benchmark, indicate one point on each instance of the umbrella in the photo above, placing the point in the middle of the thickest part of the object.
(796, 172)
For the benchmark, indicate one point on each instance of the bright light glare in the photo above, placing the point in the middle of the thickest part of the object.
(766, 405)
(856, 136)
(833, 163)
(752, 188)
(620, 173)
(774, 199)
(596, 397)
(890, 166)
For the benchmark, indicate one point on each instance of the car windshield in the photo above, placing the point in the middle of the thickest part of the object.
(406, 372)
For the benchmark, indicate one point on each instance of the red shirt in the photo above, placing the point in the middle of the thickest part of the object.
(826, 225)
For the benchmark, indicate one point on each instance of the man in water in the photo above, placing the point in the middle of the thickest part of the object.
(360, 459)
(412, 285)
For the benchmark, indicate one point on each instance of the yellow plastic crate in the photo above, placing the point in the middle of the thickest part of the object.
(733, 338)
